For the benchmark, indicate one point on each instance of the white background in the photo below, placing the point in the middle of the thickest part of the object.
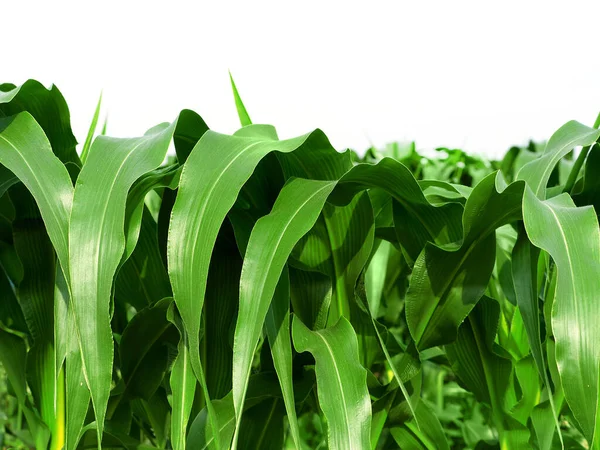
(476, 75)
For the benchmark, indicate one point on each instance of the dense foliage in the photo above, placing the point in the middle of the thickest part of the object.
(250, 292)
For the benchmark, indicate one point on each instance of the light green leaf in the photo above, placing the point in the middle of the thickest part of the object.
(88, 139)
(341, 382)
(572, 238)
(241, 109)
(97, 242)
(570, 135)
(271, 242)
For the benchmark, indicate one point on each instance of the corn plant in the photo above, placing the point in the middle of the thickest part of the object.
(251, 292)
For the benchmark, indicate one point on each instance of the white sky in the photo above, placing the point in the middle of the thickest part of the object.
(477, 75)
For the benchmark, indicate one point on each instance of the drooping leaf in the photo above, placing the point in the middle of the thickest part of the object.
(416, 220)
(272, 240)
(341, 382)
(212, 177)
(570, 135)
(572, 238)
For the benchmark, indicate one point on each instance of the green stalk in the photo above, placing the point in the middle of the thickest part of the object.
(579, 162)
(58, 434)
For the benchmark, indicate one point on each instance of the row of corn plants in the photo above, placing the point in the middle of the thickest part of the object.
(248, 292)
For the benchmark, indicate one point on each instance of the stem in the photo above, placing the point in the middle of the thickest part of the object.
(579, 162)
(58, 435)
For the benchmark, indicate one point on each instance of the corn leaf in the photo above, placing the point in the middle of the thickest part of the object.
(97, 242)
(270, 245)
(341, 382)
(572, 238)
(447, 282)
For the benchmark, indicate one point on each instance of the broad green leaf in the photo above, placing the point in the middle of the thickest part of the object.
(341, 382)
(25, 150)
(572, 238)
(76, 390)
(271, 242)
(97, 242)
(530, 387)
(212, 178)
(375, 276)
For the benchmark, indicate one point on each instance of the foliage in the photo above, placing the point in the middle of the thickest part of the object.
(252, 292)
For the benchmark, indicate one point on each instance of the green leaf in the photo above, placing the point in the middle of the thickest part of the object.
(271, 242)
(524, 273)
(144, 350)
(13, 354)
(88, 139)
(310, 294)
(183, 385)
(49, 109)
(483, 372)
(570, 135)
(212, 178)
(220, 310)
(277, 323)
(143, 278)
(97, 242)
(416, 220)
(448, 281)
(25, 150)
(341, 382)
(429, 436)
(201, 437)
(572, 238)
(241, 109)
